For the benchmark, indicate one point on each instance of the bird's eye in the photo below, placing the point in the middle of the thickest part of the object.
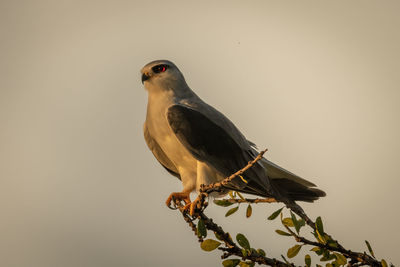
(160, 68)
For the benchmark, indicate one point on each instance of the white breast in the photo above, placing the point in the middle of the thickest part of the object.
(160, 130)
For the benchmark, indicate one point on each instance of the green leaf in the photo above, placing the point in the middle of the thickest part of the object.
(340, 259)
(209, 244)
(230, 262)
(384, 264)
(307, 260)
(317, 250)
(280, 232)
(332, 243)
(218, 236)
(328, 238)
(249, 211)
(320, 238)
(327, 257)
(328, 265)
(247, 264)
(319, 225)
(222, 202)
(232, 194)
(201, 229)
(242, 240)
(293, 251)
(370, 248)
(275, 214)
(296, 224)
(240, 195)
(231, 211)
(244, 253)
(261, 252)
(288, 222)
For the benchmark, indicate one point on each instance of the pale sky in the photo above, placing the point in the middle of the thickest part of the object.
(315, 82)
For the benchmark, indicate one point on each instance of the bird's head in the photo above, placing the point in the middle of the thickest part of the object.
(161, 74)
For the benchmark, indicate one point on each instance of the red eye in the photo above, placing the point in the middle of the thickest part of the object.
(160, 68)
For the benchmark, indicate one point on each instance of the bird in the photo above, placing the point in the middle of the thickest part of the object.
(199, 145)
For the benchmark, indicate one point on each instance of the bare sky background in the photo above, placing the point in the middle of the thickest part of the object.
(315, 82)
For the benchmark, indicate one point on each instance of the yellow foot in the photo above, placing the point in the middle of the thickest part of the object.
(177, 197)
(191, 207)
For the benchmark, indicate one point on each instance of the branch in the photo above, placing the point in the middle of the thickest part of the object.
(231, 248)
(327, 243)
(325, 246)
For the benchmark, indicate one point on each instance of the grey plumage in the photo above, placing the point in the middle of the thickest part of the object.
(198, 144)
(159, 153)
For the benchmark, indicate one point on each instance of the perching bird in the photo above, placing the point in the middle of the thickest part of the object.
(199, 145)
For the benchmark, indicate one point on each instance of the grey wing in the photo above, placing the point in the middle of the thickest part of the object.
(293, 186)
(275, 172)
(210, 143)
(159, 153)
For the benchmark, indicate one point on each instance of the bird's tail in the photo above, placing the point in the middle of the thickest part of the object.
(296, 191)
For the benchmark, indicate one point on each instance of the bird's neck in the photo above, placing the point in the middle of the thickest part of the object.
(169, 92)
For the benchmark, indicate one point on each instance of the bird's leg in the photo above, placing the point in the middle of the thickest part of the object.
(179, 196)
(185, 197)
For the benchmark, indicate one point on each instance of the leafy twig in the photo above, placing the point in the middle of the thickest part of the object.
(230, 247)
(325, 246)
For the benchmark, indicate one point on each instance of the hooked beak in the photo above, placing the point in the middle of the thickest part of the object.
(145, 77)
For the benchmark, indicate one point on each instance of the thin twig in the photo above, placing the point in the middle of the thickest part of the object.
(251, 200)
(218, 186)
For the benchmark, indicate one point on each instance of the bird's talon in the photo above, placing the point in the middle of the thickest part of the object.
(186, 207)
(172, 207)
(176, 198)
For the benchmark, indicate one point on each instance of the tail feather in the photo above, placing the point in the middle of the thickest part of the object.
(296, 191)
